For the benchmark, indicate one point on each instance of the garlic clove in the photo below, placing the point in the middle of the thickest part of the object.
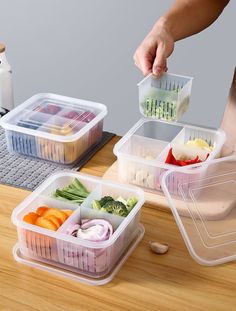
(159, 248)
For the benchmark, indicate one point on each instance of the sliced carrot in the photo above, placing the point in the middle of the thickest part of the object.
(56, 212)
(31, 218)
(45, 223)
(55, 220)
(68, 212)
(40, 210)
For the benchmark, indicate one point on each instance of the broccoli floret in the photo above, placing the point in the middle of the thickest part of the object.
(116, 207)
(105, 199)
(96, 205)
(107, 209)
(131, 202)
(122, 200)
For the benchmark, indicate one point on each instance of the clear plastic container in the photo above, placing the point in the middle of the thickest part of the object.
(93, 259)
(166, 98)
(204, 208)
(73, 273)
(54, 127)
(142, 152)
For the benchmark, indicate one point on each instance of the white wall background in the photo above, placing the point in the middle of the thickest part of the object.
(84, 49)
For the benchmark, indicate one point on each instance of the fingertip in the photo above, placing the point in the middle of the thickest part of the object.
(146, 72)
(157, 71)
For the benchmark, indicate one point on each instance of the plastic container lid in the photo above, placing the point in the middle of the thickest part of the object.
(205, 209)
(54, 117)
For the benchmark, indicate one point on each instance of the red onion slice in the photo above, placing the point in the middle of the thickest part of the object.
(72, 229)
(95, 230)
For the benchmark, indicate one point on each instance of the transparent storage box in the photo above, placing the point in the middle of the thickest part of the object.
(54, 127)
(204, 208)
(143, 150)
(166, 98)
(75, 255)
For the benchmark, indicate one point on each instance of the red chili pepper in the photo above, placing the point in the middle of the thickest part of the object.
(172, 160)
(169, 157)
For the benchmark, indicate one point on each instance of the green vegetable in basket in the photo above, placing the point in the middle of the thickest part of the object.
(160, 109)
(75, 192)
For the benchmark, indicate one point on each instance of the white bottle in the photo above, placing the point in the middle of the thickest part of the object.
(6, 90)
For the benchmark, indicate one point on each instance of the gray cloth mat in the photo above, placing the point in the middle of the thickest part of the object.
(28, 173)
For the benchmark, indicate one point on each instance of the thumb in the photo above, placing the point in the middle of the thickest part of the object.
(159, 65)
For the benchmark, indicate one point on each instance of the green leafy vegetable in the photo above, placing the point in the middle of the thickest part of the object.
(131, 202)
(75, 192)
(116, 207)
(96, 205)
(119, 206)
(120, 199)
(105, 199)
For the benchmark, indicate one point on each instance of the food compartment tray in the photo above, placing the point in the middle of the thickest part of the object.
(87, 257)
(141, 160)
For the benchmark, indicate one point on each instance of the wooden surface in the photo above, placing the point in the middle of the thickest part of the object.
(146, 282)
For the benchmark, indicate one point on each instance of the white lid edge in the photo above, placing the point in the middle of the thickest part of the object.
(70, 138)
(167, 74)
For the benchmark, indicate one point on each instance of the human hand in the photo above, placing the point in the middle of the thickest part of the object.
(151, 56)
(228, 123)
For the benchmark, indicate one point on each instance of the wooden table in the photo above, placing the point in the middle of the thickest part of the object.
(146, 282)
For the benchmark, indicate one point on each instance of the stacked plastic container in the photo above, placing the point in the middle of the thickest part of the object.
(92, 260)
(54, 127)
(143, 150)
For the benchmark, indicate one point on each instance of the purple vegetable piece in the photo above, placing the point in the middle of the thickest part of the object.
(49, 109)
(95, 230)
(72, 115)
(72, 229)
(92, 230)
(87, 116)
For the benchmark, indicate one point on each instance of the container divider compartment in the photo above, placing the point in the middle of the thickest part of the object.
(161, 158)
(179, 147)
(74, 254)
(95, 260)
(39, 244)
(64, 180)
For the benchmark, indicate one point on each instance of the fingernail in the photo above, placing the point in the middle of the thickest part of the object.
(157, 73)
